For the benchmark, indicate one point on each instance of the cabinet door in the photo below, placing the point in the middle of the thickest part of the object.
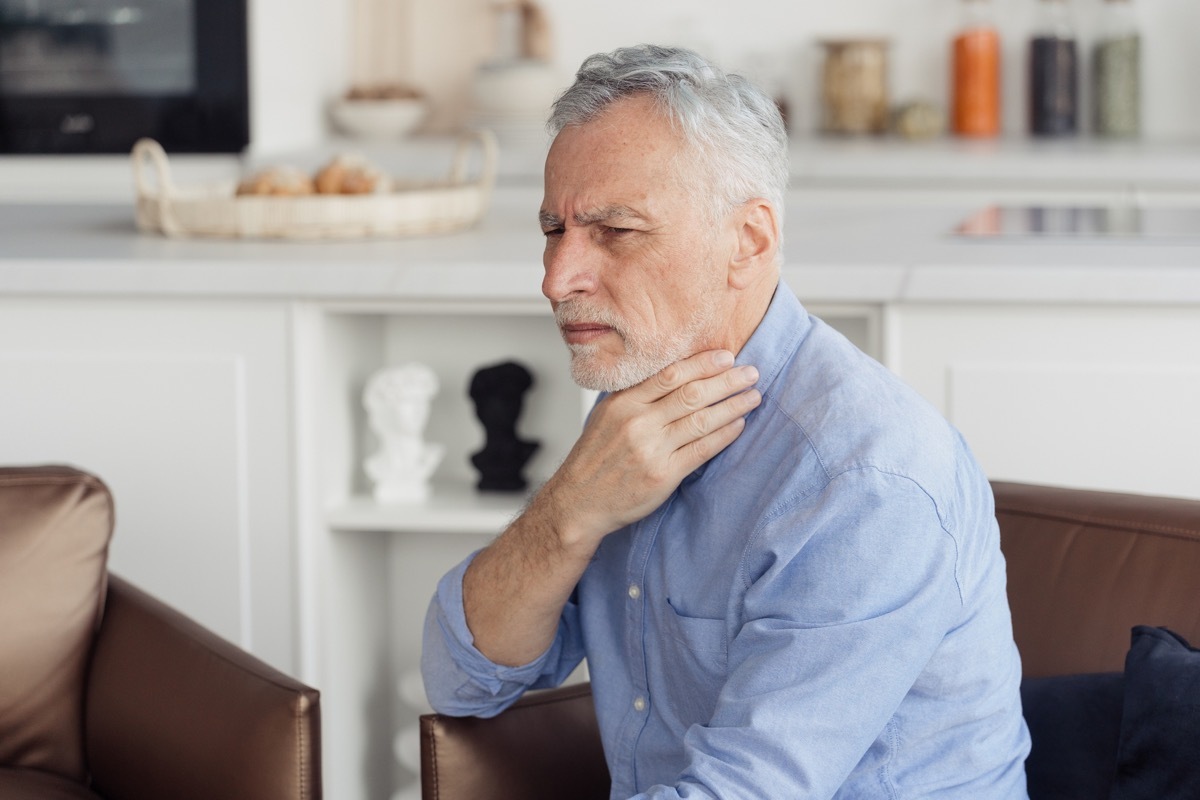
(1101, 398)
(182, 408)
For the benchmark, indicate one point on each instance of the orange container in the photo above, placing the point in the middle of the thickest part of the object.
(976, 90)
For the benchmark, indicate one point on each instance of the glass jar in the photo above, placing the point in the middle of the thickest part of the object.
(1054, 72)
(1116, 71)
(975, 74)
(854, 91)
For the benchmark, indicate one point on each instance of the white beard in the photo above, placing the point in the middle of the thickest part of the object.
(643, 355)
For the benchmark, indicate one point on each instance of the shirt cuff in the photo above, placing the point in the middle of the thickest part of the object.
(496, 679)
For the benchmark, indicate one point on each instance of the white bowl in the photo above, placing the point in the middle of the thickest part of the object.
(521, 86)
(378, 119)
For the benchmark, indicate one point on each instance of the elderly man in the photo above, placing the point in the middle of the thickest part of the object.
(781, 565)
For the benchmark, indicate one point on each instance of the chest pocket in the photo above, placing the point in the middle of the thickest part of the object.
(693, 662)
(700, 635)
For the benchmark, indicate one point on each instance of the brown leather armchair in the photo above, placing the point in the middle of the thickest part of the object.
(1083, 569)
(108, 694)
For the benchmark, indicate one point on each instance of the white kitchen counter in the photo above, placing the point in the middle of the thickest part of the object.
(1085, 161)
(834, 253)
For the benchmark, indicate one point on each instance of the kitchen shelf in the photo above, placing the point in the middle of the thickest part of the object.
(1081, 161)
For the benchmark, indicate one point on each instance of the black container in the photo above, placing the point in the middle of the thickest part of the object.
(1053, 71)
(1053, 86)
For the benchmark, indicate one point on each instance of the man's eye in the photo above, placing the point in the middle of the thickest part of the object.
(618, 231)
(552, 232)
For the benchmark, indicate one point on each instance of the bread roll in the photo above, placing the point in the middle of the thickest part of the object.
(348, 175)
(278, 181)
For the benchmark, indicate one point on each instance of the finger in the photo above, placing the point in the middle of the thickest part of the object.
(702, 393)
(702, 422)
(699, 451)
(701, 365)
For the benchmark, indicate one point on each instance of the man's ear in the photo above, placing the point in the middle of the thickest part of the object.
(757, 230)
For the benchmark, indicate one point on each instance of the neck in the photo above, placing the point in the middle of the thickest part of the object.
(749, 307)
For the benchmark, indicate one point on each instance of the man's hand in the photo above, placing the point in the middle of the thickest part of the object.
(637, 447)
(640, 443)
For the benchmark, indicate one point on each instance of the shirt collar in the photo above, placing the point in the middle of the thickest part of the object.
(775, 339)
(771, 346)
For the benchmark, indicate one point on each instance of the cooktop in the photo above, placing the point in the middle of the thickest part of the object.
(1078, 222)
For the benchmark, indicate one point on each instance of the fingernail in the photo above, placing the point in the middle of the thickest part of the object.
(723, 358)
(748, 373)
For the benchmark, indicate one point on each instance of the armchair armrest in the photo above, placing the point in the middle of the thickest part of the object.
(173, 710)
(546, 745)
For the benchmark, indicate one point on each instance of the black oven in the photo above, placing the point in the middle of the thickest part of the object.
(93, 76)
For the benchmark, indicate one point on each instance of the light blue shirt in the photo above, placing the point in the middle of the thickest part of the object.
(818, 612)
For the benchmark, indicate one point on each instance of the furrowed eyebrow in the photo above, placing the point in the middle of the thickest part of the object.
(607, 214)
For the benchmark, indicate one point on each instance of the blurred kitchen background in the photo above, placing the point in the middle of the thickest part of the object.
(1041, 291)
(309, 52)
(305, 56)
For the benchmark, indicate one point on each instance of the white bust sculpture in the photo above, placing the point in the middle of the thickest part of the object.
(397, 402)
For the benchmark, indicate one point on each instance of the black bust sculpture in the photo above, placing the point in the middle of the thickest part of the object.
(498, 392)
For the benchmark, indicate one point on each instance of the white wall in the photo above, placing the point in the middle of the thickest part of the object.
(306, 51)
(298, 59)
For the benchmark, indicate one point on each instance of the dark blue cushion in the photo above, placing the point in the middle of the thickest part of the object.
(1075, 724)
(1159, 755)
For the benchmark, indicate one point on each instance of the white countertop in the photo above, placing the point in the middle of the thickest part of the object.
(835, 253)
(1080, 162)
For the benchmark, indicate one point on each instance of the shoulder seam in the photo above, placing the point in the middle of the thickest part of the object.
(796, 499)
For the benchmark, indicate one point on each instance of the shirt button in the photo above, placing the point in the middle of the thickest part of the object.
(634, 592)
(639, 704)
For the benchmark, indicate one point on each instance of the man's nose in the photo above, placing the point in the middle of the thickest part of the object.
(570, 267)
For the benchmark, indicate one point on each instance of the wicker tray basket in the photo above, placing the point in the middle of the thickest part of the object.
(407, 210)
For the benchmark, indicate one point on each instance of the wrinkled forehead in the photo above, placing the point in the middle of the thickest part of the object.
(629, 154)
(626, 129)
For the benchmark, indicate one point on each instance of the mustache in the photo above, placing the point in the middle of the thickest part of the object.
(572, 312)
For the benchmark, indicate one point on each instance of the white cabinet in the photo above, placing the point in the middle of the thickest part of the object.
(372, 569)
(1097, 397)
(183, 408)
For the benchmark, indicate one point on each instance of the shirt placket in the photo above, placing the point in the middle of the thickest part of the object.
(645, 533)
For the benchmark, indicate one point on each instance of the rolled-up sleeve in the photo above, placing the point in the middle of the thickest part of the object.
(460, 681)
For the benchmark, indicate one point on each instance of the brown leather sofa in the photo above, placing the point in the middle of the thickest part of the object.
(1083, 569)
(108, 694)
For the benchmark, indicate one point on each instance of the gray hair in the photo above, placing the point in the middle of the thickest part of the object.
(733, 124)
